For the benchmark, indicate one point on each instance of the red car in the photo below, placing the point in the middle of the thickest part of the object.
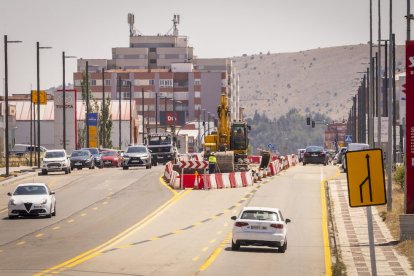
(111, 158)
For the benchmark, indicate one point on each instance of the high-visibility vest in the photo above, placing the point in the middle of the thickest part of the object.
(212, 159)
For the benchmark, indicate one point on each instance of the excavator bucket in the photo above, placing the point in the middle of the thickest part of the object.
(225, 161)
(266, 156)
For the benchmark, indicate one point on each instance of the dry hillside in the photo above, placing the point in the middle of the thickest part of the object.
(321, 80)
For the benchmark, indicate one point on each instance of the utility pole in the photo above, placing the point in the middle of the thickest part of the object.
(379, 75)
(119, 112)
(130, 112)
(103, 110)
(142, 108)
(87, 104)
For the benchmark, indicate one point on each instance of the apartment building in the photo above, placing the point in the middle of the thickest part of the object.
(163, 76)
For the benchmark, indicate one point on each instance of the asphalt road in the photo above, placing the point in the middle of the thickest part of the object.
(188, 234)
(93, 206)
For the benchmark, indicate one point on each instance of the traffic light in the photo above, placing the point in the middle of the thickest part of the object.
(313, 124)
(308, 121)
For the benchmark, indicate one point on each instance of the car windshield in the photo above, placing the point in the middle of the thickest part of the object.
(79, 153)
(314, 149)
(30, 190)
(260, 215)
(92, 150)
(54, 154)
(136, 150)
(159, 140)
(109, 153)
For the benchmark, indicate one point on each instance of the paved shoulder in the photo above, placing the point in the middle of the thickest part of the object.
(352, 234)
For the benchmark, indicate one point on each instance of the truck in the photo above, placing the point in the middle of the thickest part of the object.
(161, 146)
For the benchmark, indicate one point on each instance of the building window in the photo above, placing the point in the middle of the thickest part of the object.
(153, 50)
(166, 83)
(197, 82)
(107, 82)
(93, 82)
(153, 61)
(151, 82)
(197, 94)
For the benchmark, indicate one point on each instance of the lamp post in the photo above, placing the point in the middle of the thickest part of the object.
(64, 57)
(142, 109)
(6, 101)
(38, 48)
(103, 110)
(156, 112)
(119, 112)
(87, 104)
(130, 112)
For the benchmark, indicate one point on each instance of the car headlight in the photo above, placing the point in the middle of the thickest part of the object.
(44, 201)
(12, 202)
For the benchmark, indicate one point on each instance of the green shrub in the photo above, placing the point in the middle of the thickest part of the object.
(399, 176)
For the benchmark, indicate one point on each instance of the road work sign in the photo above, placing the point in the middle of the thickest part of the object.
(365, 174)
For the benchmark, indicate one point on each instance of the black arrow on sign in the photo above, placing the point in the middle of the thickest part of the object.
(368, 178)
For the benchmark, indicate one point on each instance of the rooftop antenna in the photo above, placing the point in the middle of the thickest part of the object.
(176, 21)
(131, 21)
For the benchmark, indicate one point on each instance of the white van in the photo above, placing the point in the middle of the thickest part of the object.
(353, 147)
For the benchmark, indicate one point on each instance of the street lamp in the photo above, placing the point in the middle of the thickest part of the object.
(6, 101)
(165, 110)
(64, 57)
(130, 112)
(143, 121)
(38, 48)
(119, 114)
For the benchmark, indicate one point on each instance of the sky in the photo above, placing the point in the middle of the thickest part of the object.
(215, 28)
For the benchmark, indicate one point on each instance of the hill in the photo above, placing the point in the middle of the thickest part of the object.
(321, 80)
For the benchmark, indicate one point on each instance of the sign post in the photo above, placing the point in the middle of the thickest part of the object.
(366, 187)
(409, 164)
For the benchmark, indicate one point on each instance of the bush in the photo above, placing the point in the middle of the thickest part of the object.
(399, 176)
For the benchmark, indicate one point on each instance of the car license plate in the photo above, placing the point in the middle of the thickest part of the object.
(257, 227)
(107, 162)
(314, 155)
(134, 161)
(53, 167)
(77, 164)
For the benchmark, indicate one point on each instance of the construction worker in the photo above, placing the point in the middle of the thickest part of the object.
(212, 163)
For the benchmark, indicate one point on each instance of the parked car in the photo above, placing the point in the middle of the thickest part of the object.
(32, 199)
(136, 156)
(96, 156)
(55, 161)
(80, 159)
(341, 155)
(315, 155)
(20, 149)
(260, 226)
(300, 154)
(353, 147)
(111, 158)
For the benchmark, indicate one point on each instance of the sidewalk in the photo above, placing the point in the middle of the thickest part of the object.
(352, 237)
(15, 173)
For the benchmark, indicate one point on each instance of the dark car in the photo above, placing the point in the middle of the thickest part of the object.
(80, 159)
(315, 155)
(137, 156)
(96, 156)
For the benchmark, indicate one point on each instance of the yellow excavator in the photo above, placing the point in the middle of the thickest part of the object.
(230, 142)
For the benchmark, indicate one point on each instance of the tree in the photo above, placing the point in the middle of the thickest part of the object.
(105, 123)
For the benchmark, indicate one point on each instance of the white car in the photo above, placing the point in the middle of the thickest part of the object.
(56, 161)
(352, 147)
(32, 199)
(260, 226)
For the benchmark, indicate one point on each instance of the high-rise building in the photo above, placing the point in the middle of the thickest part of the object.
(165, 77)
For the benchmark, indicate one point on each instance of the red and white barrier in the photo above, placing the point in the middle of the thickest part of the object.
(226, 180)
(175, 180)
(255, 159)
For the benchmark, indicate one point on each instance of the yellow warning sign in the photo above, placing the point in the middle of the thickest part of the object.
(365, 174)
(43, 97)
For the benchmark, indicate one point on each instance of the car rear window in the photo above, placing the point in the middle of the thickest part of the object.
(314, 149)
(54, 154)
(136, 150)
(109, 153)
(260, 215)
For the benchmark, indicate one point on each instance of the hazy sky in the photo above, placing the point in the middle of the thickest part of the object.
(216, 28)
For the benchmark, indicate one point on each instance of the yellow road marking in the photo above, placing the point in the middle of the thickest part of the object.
(215, 253)
(83, 214)
(326, 246)
(105, 202)
(95, 208)
(213, 241)
(21, 243)
(39, 235)
(2, 211)
(71, 220)
(154, 238)
(177, 231)
(226, 224)
(168, 186)
(56, 228)
(204, 249)
(196, 258)
(123, 246)
(219, 232)
(117, 239)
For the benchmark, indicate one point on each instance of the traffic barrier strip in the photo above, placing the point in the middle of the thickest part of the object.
(255, 159)
(243, 179)
(249, 178)
(232, 178)
(175, 180)
(272, 168)
(226, 180)
(239, 181)
(219, 180)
